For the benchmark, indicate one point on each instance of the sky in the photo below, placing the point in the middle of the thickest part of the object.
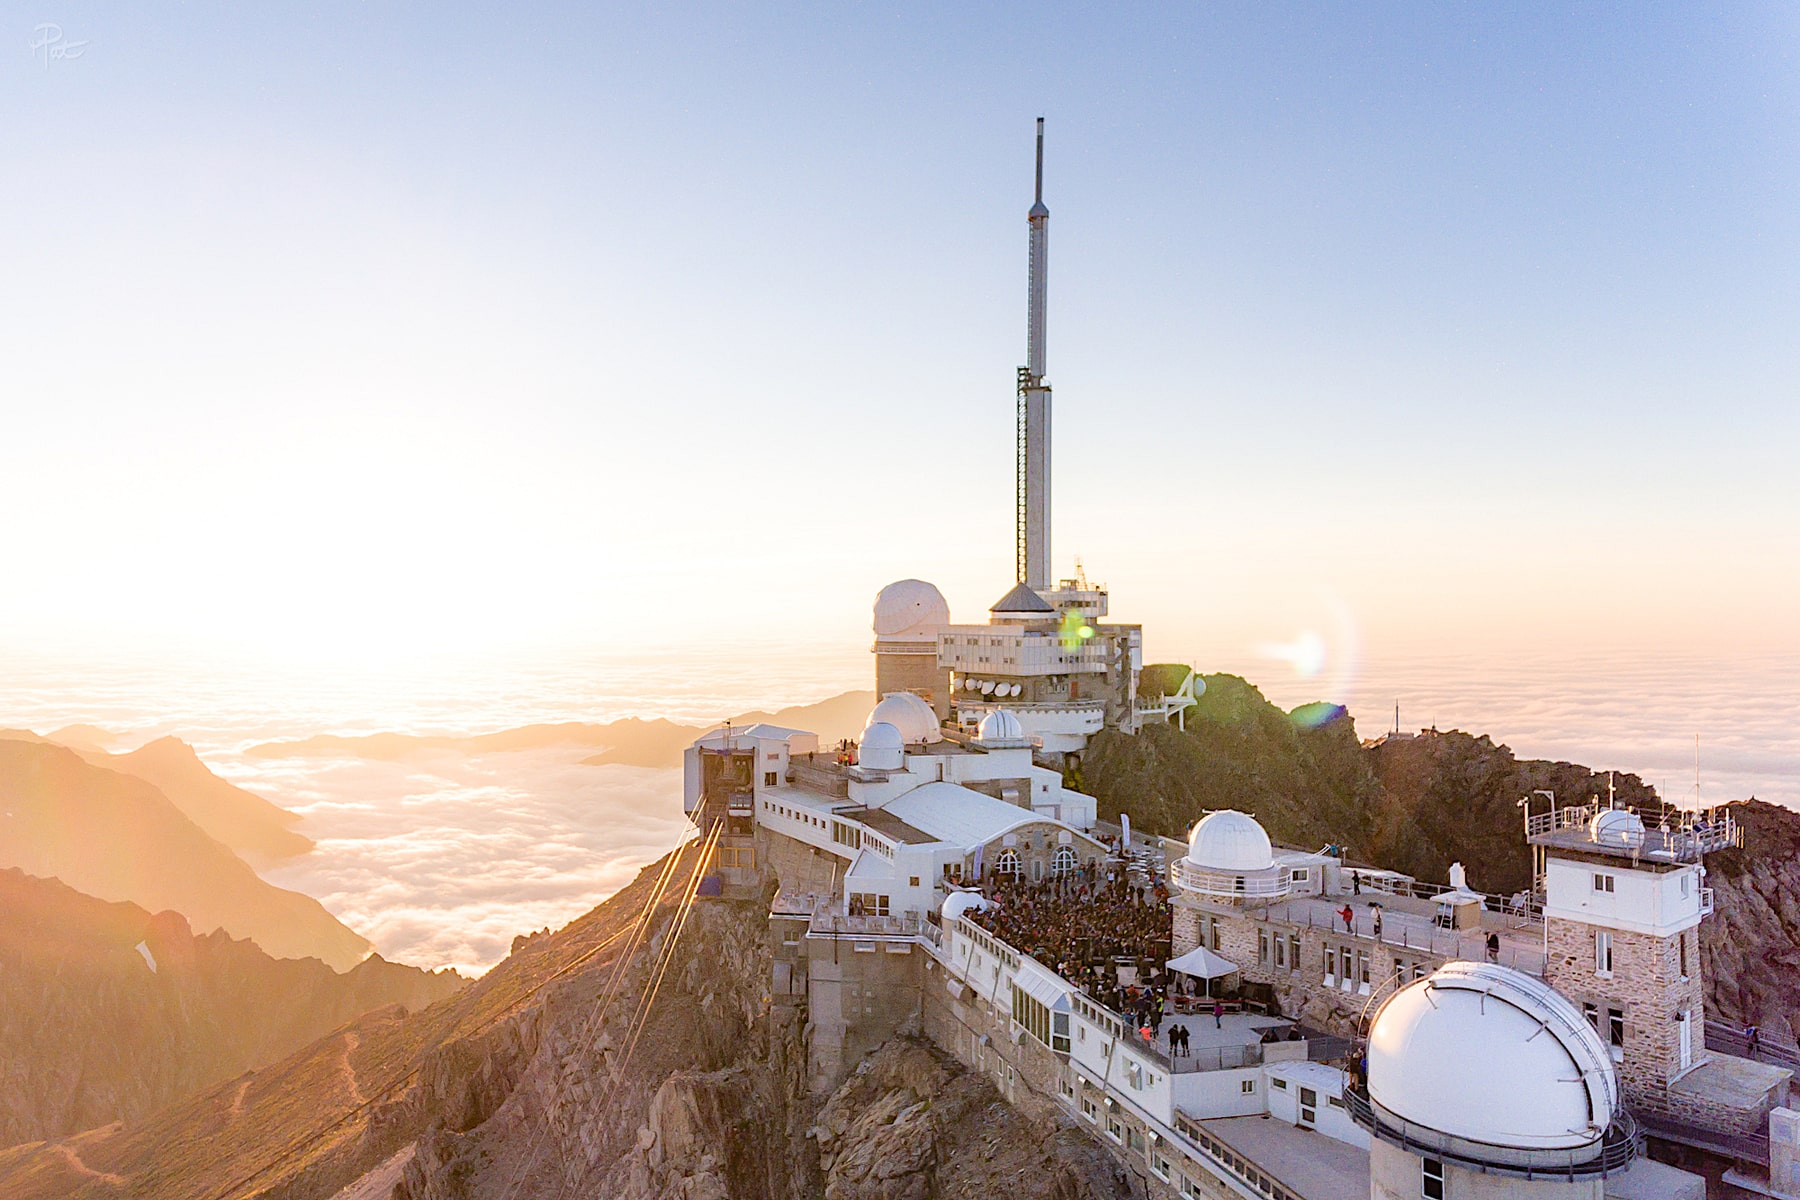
(339, 334)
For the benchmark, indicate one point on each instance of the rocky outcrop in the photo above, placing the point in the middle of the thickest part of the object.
(1750, 947)
(108, 1013)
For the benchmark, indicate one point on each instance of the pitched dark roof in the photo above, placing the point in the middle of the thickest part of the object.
(1021, 600)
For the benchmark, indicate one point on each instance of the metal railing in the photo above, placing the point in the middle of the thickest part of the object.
(1274, 884)
(1607, 1156)
(1404, 931)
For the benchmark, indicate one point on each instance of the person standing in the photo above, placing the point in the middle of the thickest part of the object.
(1349, 916)
(1218, 1015)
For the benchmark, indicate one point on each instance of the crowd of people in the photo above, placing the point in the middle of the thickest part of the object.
(1081, 923)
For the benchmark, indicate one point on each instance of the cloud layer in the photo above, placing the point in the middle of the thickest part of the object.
(440, 861)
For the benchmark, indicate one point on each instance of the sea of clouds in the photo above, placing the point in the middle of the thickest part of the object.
(440, 860)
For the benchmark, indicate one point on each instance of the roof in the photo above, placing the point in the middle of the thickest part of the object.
(1041, 985)
(759, 731)
(1307, 1163)
(884, 822)
(961, 816)
(868, 865)
(1022, 600)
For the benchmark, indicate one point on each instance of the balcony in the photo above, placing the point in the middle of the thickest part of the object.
(1272, 884)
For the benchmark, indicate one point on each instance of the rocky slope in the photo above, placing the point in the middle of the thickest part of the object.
(118, 837)
(540, 1080)
(109, 1013)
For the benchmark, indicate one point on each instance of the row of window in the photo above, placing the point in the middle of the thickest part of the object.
(1052, 1029)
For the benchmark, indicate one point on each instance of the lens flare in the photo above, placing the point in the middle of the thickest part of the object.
(1324, 654)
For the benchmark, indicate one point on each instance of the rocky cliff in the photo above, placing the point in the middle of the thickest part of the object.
(607, 1059)
(109, 1013)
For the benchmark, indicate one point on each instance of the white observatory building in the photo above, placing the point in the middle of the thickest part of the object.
(1483, 1081)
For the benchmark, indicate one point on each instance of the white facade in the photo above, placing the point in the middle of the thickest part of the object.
(1616, 896)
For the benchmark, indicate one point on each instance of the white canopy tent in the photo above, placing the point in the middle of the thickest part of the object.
(1202, 963)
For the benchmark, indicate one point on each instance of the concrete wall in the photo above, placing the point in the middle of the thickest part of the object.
(1396, 1175)
(860, 991)
(919, 673)
(1651, 902)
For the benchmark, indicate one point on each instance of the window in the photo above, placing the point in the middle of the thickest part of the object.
(1344, 967)
(1007, 863)
(1114, 1130)
(1603, 952)
(1683, 941)
(770, 779)
(1684, 885)
(1362, 969)
(1091, 1111)
(1603, 882)
(1330, 962)
(1591, 1011)
(1280, 951)
(1262, 946)
(1159, 1166)
(1615, 1026)
(1309, 1106)
(1431, 1179)
(1064, 862)
(1134, 1138)
(1278, 1083)
(1301, 874)
(1293, 952)
(1248, 1087)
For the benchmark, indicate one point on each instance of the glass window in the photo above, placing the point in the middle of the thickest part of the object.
(1431, 1179)
(1603, 956)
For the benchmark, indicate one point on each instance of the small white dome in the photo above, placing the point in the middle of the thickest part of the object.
(1487, 1053)
(1617, 827)
(881, 748)
(958, 903)
(910, 611)
(911, 715)
(1230, 841)
(1000, 726)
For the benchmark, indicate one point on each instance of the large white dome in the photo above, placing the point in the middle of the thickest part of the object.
(1487, 1053)
(1230, 841)
(881, 747)
(910, 610)
(911, 715)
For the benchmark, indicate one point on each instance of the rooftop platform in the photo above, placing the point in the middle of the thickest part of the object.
(884, 822)
(1670, 838)
(1738, 1083)
(1410, 923)
(1304, 1161)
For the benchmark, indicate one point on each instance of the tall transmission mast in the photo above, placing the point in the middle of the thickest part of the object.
(1032, 533)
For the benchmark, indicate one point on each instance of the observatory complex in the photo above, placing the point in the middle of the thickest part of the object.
(1229, 1018)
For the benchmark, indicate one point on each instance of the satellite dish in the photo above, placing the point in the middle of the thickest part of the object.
(987, 687)
(1199, 685)
(1015, 689)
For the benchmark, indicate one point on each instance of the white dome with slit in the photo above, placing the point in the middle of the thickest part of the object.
(999, 726)
(1229, 840)
(910, 610)
(1492, 1055)
(882, 747)
(911, 715)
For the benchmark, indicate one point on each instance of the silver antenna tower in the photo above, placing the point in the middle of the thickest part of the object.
(1032, 523)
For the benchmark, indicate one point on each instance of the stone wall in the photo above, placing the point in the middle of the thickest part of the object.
(1647, 985)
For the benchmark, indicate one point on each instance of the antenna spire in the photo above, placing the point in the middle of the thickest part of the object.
(1040, 162)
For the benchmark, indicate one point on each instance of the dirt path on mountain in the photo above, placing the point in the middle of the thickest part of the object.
(85, 1171)
(351, 1042)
